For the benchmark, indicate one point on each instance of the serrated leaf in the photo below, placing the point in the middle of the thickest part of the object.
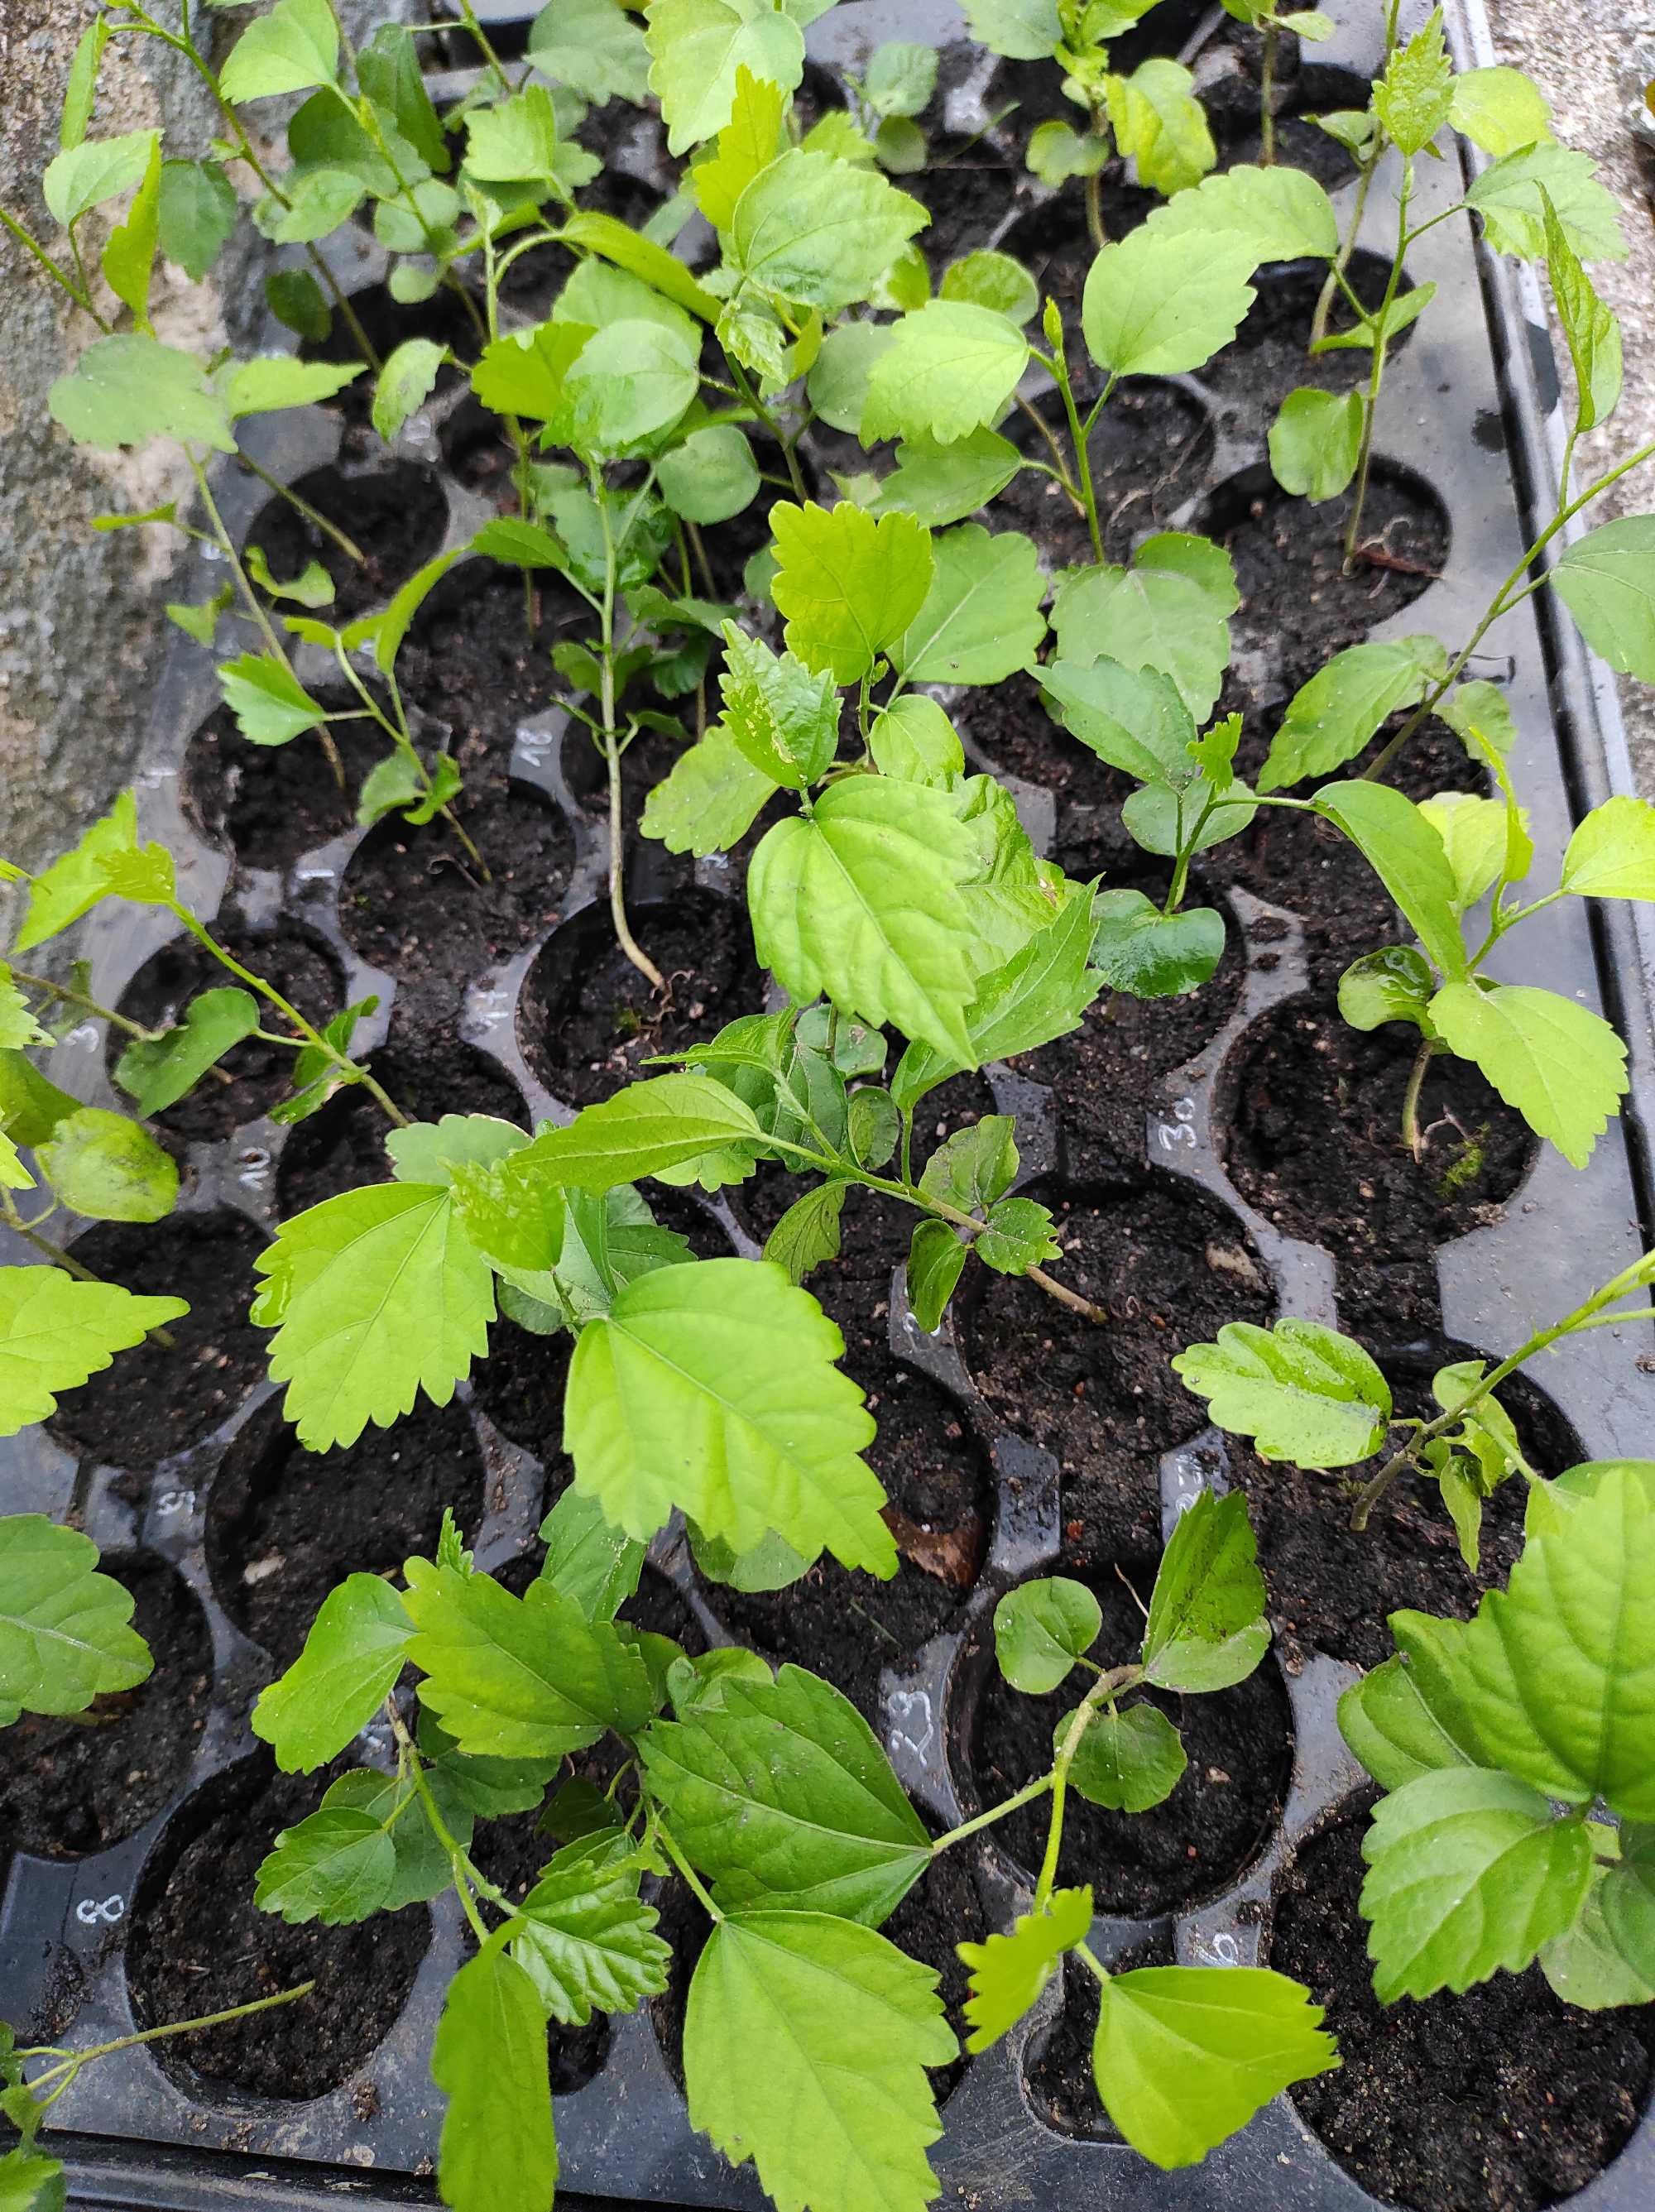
(710, 800)
(1612, 853)
(1023, 30)
(980, 621)
(585, 1939)
(1414, 97)
(781, 713)
(374, 1296)
(515, 140)
(64, 1637)
(1280, 214)
(804, 2043)
(1499, 109)
(1316, 441)
(593, 46)
(1332, 718)
(972, 1168)
(1628, 1901)
(1018, 1235)
(1475, 834)
(1167, 611)
(293, 48)
(1394, 1719)
(630, 381)
(1510, 196)
(526, 371)
(1183, 2056)
(1592, 335)
(1303, 1393)
(85, 175)
(1056, 152)
(124, 391)
(1127, 1761)
(336, 1867)
(1587, 1965)
(108, 1168)
(1008, 1972)
(1041, 1629)
(29, 2180)
(129, 257)
(1159, 125)
(588, 1558)
(987, 278)
(1407, 856)
(748, 142)
(488, 2058)
(712, 1388)
(1560, 1066)
(783, 1796)
(913, 741)
(352, 1655)
(156, 1073)
(1207, 1629)
(698, 48)
(76, 881)
(270, 704)
(1469, 1872)
(848, 585)
(938, 484)
(950, 368)
(1607, 580)
(807, 1234)
(666, 1123)
(1154, 305)
(818, 231)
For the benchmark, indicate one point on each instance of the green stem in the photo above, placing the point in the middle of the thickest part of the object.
(1057, 454)
(1104, 1690)
(24, 238)
(623, 937)
(348, 546)
(72, 2065)
(1094, 198)
(683, 1866)
(1423, 1058)
(1026, 1796)
(1267, 100)
(751, 398)
(1082, 445)
(1375, 374)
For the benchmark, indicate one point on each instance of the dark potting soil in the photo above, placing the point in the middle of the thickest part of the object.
(1269, 357)
(1054, 245)
(414, 901)
(1058, 2069)
(1332, 1590)
(474, 659)
(520, 1386)
(270, 804)
(1299, 144)
(285, 1526)
(1009, 726)
(397, 515)
(297, 964)
(1146, 451)
(1314, 1145)
(1169, 1266)
(75, 1785)
(589, 1019)
(969, 190)
(153, 1401)
(1217, 1820)
(386, 323)
(512, 1853)
(428, 1072)
(1504, 2099)
(199, 1944)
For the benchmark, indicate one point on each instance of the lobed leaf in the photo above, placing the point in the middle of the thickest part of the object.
(1008, 1972)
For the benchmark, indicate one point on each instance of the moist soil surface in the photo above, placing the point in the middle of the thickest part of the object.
(71, 1786)
(476, 661)
(270, 804)
(153, 1402)
(396, 516)
(1504, 2099)
(284, 1525)
(1217, 1820)
(1146, 451)
(199, 1944)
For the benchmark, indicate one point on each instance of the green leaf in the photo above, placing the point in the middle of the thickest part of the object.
(585, 1938)
(1612, 853)
(935, 1259)
(1396, 1719)
(516, 140)
(1316, 441)
(1590, 329)
(783, 1796)
(1415, 96)
(1154, 306)
(1152, 955)
(109, 1169)
(838, 382)
(807, 1234)
(374, 1296)
(1008, 1972)
(388, 72)
(710, 799)
(913, 741)
(1607, 581)
(29, 2180)
(713, 475)
(989, 279)
(335, 1867)
(1499, 109)
(1560, 1066)
(1558, 1673)
(1183, 2056)
(666, 1123)
(1475, 833)
(107, 853)
(299, 303)
(270, 706)
(1041, 1629)
(129, 258)
(980, 621)
(63, 1634)
(1586, 1965)
(1303, 1393)
(950, 370)
(1510, 196)
(84, 176)
(860, 904)
(1160, 126)
(406, 381)
(632, 379)
(1334, 716)
(712, 1388)
(783, 715)
(1023, 30)
(488, 2058)
(974, 1166)
(1407, 854)
(1168, 610)
(526, 1677)
(749, 141)
(900, 78)
(1056, 152)
(1207, 1629)
(311, 587)
(526, 371)
(817, 231)
(594, 47)
(1628, 1902)
(640, 257)
(588, 1558)
(124, 391)
(1467, 1873)
(293, 48)
(157, 1074)
(698, 47)
(79, 92)
(1017, 1236)
(939, 484)
(1280, 214)
(1126, 1761)
(848, 585)
(352, 1656)
(805, 2042)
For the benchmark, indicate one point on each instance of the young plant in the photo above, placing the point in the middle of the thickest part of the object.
(1270, 23)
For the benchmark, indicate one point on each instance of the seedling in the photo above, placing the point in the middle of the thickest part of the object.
(1270, 22)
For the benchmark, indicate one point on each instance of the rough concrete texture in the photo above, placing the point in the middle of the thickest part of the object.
(1592, 60)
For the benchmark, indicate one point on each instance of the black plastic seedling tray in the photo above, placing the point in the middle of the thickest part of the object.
(1472, 399)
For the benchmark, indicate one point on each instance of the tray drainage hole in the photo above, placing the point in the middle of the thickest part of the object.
(199, 1944)
(285, 1525)
(1202, 1838)
(396, 516)
(153, 1402)
(1503, 2097)
(269, 804)
(69, 1788)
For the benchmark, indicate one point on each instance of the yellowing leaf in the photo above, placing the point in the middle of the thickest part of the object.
(848, 585)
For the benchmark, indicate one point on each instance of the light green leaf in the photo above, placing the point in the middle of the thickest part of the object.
(586, 1939)
(97, 169)
(698, 48)
(860, 904)
(1127, 1761)
(980, 621)
(1586, 1965)
(804, 2043)
(713, 475)
(108, 855)
(641, 256)
(80, 92)
(1023, 30)
(1183, 2056)
(1152, 955)
(710, 800)
(1511, 196)
(126, 390)
(631, 379)
(712, 1387)
(516, 140)
(848, 585)
(157, 1074)
(526, 371)
(1333, 717)
(1395, 985)
(1280, 214)
(992, 280)
(748, 142)
(1154, 306)
(1159, 125)
(1017, 1236)
(63, 1634)
(1057, 151)
(1316, 441)
(129, 258)
(838, 382)
(1415, 96)
(900, 78)
(1305, 1393)
(1612, 853)
(665, 1122)
(1607, 581)
(488, 2058)
(270, 706)
(950, 368)
(1207, 1629)
(293, 48)
(1397, 1720)
(406, 381)
(807, 1234)
(1592, 334)
(352, 1656)
(935, 1259)
(29, 2180)
(588, 1558)
(336, 1867)
(1469, 1872)
(915, 742)
(1008, 1972)
(1474, 833)
(939, 484)
(784, 1797)
(1041, 1629)
(1169, 611)
(1559, 1064)
(108, 1168)
(1628, 1902)
(1499, 109)
(374, 1296)
(1406, 854)
(817, 231)
(593, 46)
